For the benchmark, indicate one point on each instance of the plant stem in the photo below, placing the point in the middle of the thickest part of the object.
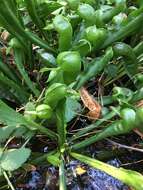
(8, 181)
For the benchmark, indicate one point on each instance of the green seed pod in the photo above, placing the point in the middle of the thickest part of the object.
(119, 19)
(44, 111)
(138, 80)
(137, 95)
(87, 13)
(54, 94)
(14, 43)
(122, 94)
(96, 36)
(128, 118)
(73, 4)
(124, 50)
(97, 65)
(64, 28)
(99, 18)
(70, 63)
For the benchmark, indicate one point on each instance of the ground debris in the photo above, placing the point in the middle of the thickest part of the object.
(90, 103)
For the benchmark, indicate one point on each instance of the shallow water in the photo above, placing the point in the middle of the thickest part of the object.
(91, 179)
(96, 180)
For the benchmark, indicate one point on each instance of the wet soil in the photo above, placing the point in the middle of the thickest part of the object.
(45, 177)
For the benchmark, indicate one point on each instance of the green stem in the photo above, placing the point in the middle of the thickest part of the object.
(138, 49)
(52, 135)
(62, 184)
(8, 181)
(124, 31)
(116, 128)
(94, 125)
(60, 120)
(137, 96)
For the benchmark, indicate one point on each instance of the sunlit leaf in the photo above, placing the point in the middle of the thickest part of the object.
(129, 177)
(14, 158)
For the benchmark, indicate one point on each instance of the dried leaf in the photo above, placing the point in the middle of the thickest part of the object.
(5, 35)
(138, 132)
(80, 170)
(139, 104)
(29, 167)
(90, 103)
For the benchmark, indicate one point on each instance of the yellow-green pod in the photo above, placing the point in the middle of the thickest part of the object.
(54, 94)
(96, 36)
(73, 4)
(64, 28)
(70, 63)
(44, 111)
(87, 13)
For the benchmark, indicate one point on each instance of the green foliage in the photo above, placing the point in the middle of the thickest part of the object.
(53, 49)
(72, 108)
(13, 159)
(54, 159)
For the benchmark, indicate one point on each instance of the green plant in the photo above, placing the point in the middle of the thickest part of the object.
(69, 44)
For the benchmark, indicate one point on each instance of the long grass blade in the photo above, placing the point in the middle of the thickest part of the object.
(129, 177)
(19, 57)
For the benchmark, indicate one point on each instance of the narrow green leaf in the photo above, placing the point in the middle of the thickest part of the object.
(7, 71)
(31, 7)
(91, 127)
(19, 57)
(129, 177)
(8, 17)
(15, 89)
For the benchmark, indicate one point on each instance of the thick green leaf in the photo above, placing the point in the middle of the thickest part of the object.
(46, 58)
(13, 159)
(72, 107)
(54, 159)
(5, 132)
(9, 116)
(12, 118)
(129, 177)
